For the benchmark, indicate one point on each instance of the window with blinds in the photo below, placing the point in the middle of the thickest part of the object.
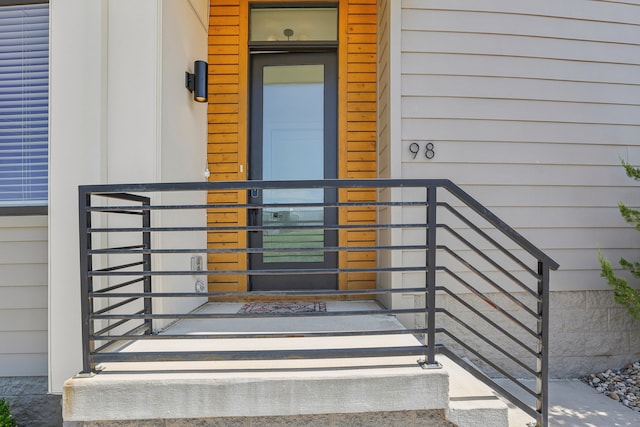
(24, 104)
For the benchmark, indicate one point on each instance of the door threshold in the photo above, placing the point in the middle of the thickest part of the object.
(292, 298)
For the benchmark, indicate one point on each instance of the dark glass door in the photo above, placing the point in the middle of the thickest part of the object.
(293, 137)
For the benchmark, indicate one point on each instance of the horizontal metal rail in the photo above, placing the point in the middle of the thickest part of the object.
(261, 354)
(138, 252)
(269, 294)
(255, 315)
(255, 250)
(253, 335)
(273, 272)
(252, 206)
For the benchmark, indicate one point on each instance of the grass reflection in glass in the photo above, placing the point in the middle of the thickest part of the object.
(293, 238)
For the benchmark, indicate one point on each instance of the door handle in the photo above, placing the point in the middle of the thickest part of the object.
(253, 216)
(254, 198)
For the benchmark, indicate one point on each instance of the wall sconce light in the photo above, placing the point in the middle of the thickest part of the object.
(197, 83)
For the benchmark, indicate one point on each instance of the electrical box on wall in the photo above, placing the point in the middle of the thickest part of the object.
(196, 263)
(196, 266)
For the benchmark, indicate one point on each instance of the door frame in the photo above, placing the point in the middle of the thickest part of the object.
(255, 147)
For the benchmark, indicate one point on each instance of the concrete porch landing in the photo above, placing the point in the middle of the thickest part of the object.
(293, 391)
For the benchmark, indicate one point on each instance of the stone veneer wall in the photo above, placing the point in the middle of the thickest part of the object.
(589, 333)
(29, 401)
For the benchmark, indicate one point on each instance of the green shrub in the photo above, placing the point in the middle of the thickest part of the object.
(623, 293)
(6, 420)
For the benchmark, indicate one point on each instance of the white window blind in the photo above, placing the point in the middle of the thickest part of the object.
(24, 104)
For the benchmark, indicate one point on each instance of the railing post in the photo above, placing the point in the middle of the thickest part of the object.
(542, 386)
(146, 258)
(86, 281)
(431, 273)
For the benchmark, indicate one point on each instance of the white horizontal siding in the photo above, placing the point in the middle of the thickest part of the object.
(525, 110)
(23, 365)
(519, 46)
(547, 27)
(517, 174)
(23, 296)
(21, 342)
(517, 67)
(494, 87)
(29, 320)
(623, 12)
(530, 107)
(517, 131)
(555, 196)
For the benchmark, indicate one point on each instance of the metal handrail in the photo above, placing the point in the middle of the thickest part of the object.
(118, 277)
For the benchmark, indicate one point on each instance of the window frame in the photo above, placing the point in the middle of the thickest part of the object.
(294, 46)
(27, 209)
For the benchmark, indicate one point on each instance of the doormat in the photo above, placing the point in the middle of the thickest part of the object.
(283, 307)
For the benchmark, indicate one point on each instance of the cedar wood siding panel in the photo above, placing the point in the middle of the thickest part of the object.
(227, 136)
(23, 296)
(227, 147)
(530, 106)
(357, 133)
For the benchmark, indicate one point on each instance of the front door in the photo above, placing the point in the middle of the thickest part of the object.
(293, 137)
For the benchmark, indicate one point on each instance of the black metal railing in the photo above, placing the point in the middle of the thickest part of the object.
(480, 290)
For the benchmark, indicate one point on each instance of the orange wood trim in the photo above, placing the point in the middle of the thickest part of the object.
(358, 134)
(225, 141)
(343, 20)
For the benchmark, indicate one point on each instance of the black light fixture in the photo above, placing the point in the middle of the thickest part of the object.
(198, 81)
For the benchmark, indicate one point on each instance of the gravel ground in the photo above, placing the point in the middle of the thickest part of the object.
(622, 385)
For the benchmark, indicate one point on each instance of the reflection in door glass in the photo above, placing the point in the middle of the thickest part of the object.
(293, 149)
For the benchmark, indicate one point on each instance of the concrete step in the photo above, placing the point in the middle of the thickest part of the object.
(391, 388)
(255, 389)
(251, 390)
(471, 402)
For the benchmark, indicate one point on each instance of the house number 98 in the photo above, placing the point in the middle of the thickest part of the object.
(429, 151)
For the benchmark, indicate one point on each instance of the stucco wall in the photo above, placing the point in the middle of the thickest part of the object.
(183, 150)
(119, 113)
